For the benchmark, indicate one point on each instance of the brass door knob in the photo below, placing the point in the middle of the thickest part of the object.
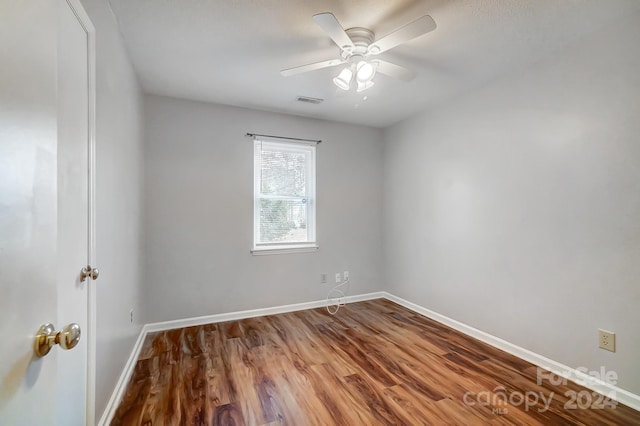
(47, 337)
(88, 271)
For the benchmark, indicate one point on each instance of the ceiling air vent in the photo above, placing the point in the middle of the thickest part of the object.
(309, 100)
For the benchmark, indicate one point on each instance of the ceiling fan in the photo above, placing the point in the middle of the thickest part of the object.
(359, 50)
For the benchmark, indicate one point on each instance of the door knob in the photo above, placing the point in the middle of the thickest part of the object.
(47, 337)
(88, 271)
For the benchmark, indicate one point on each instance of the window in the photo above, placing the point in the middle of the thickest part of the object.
(284, 196)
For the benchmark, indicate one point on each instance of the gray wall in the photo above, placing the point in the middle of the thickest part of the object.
(199, 211)
(516, 209)
(118, 200)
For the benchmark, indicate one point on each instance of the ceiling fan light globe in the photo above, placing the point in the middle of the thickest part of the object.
(340, 83)
(362, 86)
(343, 80)
(364, 71)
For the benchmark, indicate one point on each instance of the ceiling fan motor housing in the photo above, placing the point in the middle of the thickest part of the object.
(361, 38)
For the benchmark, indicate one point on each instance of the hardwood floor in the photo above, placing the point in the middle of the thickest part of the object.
(373, 363)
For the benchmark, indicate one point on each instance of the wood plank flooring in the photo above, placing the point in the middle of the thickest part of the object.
(374, 363)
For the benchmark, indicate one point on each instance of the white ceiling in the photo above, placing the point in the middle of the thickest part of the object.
(231, 52)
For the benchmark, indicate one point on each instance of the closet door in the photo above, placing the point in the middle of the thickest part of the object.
(75, 266)
(46, 129)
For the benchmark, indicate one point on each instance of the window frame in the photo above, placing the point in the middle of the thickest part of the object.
(309, 149)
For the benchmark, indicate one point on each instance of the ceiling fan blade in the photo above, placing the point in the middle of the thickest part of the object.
(332, 27)
(396, 71)
(410, 31)
(311, 67)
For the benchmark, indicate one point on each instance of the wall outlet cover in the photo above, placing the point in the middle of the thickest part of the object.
(607, 340)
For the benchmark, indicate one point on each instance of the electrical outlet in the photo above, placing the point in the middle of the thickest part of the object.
(607, 340)
(345, 275)
(323, 278)
(338, 277)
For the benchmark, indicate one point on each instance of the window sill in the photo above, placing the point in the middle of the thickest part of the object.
(283, 250)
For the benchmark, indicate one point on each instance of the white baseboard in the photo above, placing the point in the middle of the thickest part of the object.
(116, 396)
(252, 313)
(622, 396)
(121, 385)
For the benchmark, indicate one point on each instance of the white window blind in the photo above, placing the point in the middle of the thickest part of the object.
(284, 195)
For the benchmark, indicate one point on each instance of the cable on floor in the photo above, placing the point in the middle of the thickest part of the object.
(336, 297)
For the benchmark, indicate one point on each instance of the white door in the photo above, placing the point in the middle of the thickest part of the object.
(74, 245)
(46, 128)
